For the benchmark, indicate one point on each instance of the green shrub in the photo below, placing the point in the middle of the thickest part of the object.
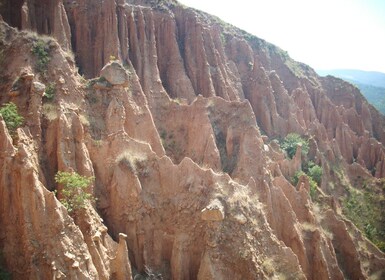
(50, 91)
(290, 143)
(74, 195)
(312, 183)
(11, 117)
(315, 172)
(41, 50)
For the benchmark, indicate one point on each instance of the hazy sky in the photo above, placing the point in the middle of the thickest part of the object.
(326, 34)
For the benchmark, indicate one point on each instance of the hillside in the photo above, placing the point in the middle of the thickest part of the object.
(372, 78)
(371, 84)
(374, 95)
(204, 151)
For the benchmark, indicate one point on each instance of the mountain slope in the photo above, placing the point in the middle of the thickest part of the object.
(376, 79)
(187, 186)
(371, 84)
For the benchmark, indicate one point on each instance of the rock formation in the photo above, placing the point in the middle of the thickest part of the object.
(177, 123)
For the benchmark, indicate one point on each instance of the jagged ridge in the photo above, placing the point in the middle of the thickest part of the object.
(222, 161)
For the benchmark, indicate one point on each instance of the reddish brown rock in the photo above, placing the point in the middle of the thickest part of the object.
(43, 17)
(159, 162)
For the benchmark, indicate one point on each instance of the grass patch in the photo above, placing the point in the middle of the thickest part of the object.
(84, 120)
(134, 162)
(169, 143)
(50, 112)
(365, 208)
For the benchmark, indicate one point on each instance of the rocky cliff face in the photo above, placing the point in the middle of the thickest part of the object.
(178, 130)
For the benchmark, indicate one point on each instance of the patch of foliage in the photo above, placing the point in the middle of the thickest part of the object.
(291, 141)
(170, 144)
(101, 81)
(41, 50)
(374, 95)
(314, 171)
(4, 274)
(312, 183)
(50, 91)
(365, 209)
(2, 57)
(74, 195)
(11, 117)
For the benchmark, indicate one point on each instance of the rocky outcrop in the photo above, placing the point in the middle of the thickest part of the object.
(178, 132)
(44, 17)
(115, 74)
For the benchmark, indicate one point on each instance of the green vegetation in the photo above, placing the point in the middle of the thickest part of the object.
(11, 117)
(170, 144)
(41, 50)
(371, 84)
(100, 81)
(4, 275)
(312, 183)
(365, 209)
(50, 91)
(74, 195)
(290, 143)
(374, 95)
(2, 57)
(315, 172)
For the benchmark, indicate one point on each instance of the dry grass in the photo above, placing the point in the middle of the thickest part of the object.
(308, 227)
(84, 120)
(50, 112)
(268, 267)
(132, 161)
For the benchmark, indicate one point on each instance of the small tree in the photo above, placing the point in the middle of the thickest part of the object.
(290, 143)
(41, 50)
(74, 195)
(312, 183)
(11, 117)
(315, 172)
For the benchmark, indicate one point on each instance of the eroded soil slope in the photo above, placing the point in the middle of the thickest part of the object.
(179, 130)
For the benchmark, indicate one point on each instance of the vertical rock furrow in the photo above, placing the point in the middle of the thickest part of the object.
(94, 30)
(190, 31)
(143, 54)
(171, 65)
(28, 213)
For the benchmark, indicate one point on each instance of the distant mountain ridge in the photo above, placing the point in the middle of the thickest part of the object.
(372, 78)
(370, 83)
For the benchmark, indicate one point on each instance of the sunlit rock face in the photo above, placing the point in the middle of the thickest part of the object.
(178, 124)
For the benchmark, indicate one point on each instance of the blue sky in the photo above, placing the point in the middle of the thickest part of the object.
(326, 34)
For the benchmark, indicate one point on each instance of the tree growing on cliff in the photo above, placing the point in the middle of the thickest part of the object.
(11, 117)
(41, 50)
(290, 143)
(74, 195)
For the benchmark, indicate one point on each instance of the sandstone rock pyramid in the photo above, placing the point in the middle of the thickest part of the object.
(181, 132)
